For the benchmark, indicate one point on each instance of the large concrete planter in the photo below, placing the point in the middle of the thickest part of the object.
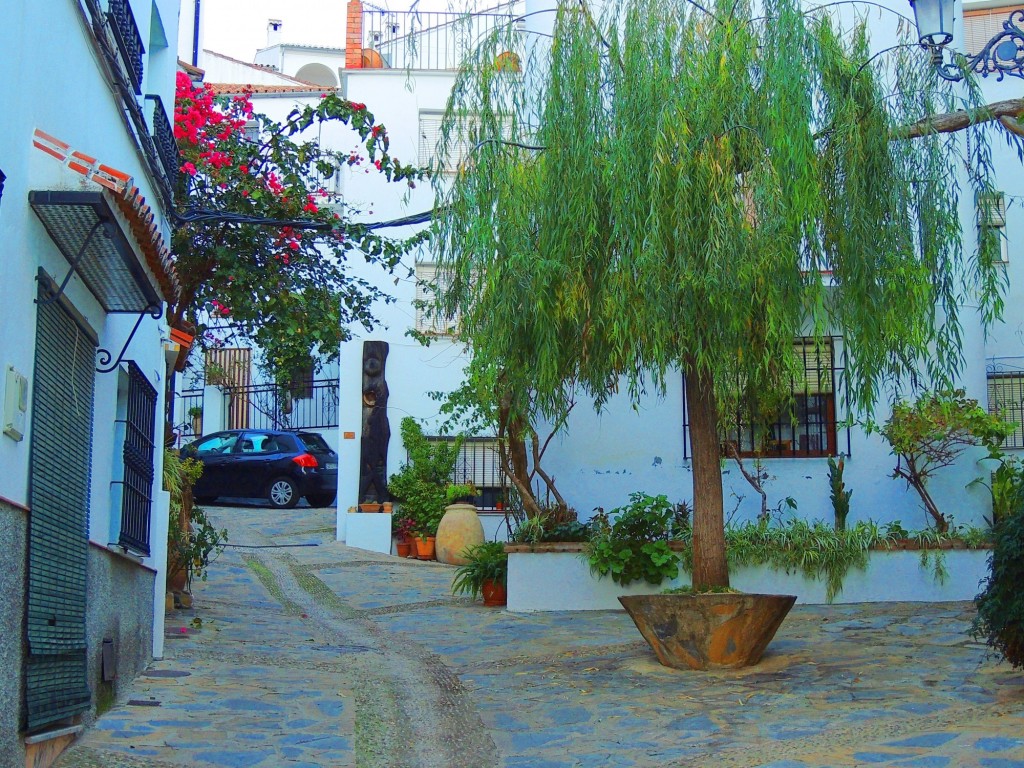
(711, 631)
(891, 576)
(459, 529)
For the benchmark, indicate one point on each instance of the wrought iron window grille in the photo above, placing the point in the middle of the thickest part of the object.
(479, 464)
(1006, 398)
(129, 40)
(138, 451)
(809, 426)
(163, 139)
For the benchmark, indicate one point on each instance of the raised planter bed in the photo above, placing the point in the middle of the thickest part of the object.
(557, 577)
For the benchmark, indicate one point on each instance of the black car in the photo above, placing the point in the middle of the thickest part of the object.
(261, 463)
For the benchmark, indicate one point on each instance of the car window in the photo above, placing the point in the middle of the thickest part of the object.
(314, 443)
(219, 443)
(258, 442)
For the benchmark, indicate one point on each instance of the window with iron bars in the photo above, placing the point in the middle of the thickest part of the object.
(807, 425)
(479, 464)
(1006, 400)
(137, 416)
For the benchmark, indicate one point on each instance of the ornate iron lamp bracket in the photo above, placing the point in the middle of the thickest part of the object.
(104, 357)
(1002, 55)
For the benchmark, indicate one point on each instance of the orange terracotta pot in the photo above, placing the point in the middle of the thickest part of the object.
(424, 547)
(403, 548)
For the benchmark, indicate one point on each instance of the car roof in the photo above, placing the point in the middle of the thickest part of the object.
(250, 429)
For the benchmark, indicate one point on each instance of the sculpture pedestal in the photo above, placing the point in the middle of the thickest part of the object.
(368, 530)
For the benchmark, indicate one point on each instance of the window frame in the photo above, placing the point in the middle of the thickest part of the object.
(992, 215)
(995, 403)
(138, 463)
(792, 438)
(473, 466)
(426, 276)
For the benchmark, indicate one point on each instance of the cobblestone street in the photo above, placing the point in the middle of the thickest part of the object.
(306, 656)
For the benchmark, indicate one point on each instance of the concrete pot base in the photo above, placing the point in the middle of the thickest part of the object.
(708, 631)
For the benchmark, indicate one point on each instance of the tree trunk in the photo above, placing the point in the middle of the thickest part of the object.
(709, 564)
(917, 482)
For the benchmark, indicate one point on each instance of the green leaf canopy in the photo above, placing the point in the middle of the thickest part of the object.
(671, 188)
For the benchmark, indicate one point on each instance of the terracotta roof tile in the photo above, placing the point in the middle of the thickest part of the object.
(220, 89)
(189, 69)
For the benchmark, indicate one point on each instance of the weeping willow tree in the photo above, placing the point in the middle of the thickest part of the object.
(662, 189)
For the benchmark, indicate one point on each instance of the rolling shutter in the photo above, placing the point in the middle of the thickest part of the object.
(56, 683)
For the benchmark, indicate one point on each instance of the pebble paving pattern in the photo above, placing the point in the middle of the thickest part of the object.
(315, 656)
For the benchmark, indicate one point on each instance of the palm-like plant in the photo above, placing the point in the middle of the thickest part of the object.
(487, 562)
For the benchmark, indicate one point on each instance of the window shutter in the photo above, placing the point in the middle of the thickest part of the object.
(430, 135)
(427, 319)
(430, 138)
(993, 210)
(817, 365)
(59, 480)
(982, 25)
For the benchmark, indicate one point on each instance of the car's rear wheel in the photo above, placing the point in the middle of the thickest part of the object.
(320, 499)
(282, 493)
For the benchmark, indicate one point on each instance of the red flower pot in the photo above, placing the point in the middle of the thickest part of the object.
(494, 593)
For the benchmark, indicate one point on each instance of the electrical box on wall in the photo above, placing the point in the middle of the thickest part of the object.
(15, 403)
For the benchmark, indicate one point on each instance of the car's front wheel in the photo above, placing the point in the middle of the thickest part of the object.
(282, 493)
(320, 499)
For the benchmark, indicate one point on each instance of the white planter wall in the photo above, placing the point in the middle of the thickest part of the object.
(889, 577)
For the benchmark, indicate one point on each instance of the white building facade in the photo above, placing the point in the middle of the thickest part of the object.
(88, 164)
(601, 458)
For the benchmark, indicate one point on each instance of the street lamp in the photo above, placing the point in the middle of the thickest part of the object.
(1003, 54)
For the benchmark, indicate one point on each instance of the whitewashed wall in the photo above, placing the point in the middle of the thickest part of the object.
(54, 83)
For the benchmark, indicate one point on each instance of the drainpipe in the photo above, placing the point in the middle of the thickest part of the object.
(195, 32)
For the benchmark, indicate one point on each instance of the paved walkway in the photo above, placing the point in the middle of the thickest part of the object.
(312, 656)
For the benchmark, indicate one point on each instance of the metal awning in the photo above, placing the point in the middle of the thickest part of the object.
(87, 231)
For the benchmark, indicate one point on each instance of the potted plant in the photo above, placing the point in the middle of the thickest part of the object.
(195, 415)
(460, 493)
(192, 540)
(403, 527)
(485, 572)
(420, 485)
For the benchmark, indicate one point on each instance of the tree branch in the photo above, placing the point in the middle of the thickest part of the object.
(1012, 109)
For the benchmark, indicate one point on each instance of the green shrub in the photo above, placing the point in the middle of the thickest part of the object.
(191, 545)
(1000, 620)
(634, 546)
(812, 548)
(420, 485)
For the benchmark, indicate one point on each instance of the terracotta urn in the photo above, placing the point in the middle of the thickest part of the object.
(459, 529)
(708, 631)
